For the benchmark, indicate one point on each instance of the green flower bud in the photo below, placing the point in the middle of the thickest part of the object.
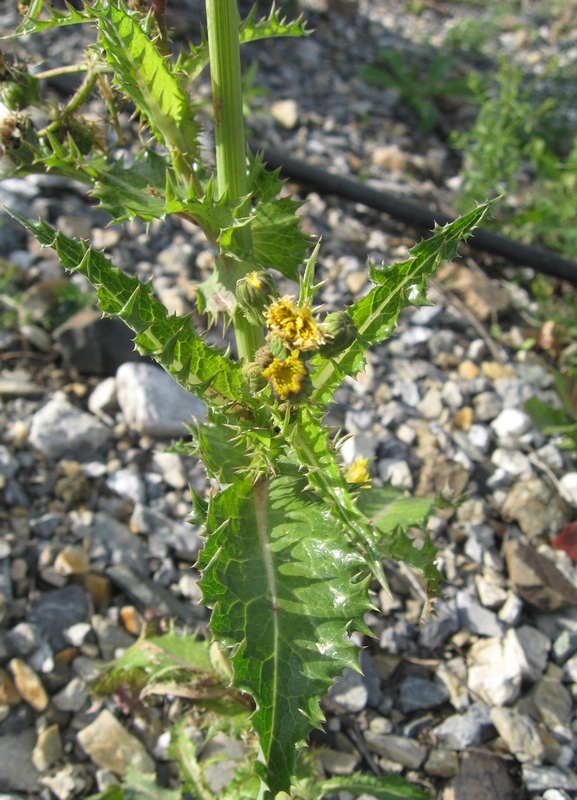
(252, 373)
(277, 347)
(254, 293)
(20, 91)
(264, 356)
(339, 332)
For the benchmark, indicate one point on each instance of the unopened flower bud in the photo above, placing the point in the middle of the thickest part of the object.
(254, 293)
(264, 356)
(20, 90)
(339, 332)
(252, 373)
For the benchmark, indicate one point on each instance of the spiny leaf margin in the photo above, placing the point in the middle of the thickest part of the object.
(396, 287)
(169, 340)
(285, 587)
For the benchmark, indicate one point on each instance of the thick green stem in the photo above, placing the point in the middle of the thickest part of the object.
(231, 173)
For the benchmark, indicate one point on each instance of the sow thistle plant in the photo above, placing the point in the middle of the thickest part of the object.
(294, 540)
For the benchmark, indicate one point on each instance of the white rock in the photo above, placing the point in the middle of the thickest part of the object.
(555, 794)
(349, 691)
(529, 648)
(453, 674)
(568, 484)
(431, 406)
(452, 395)
(480, 437)
(112, 747)
(519, 733)
(103, 397)
(60, 429)
(128, 484)
(396, 471)
(359, 445)
(493, 677)
(511, 422)
(286, 112)
(170, 467)
(511, 610)
(76, 634)
(490, 594)
(153, 403)
(513, 463)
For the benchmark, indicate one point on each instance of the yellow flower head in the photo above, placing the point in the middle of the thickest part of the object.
(358, 472)
(295, 327)
(287, 376)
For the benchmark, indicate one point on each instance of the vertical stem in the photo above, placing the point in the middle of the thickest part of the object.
(231, 174)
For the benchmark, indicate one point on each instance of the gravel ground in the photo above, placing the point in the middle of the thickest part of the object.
(480, 702)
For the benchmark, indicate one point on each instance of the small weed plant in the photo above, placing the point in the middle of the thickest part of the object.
(419, 87)
(293, 540)
(513, 148)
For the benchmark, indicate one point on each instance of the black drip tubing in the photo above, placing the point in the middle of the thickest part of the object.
(541, 260)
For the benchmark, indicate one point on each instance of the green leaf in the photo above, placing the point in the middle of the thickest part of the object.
(143, 786)
(546, 418)
(56, 19)
(135, 191)
(391, 787)
(148, 79)
(195, 60)
(404, 284)
(284, 586)
(138, 786)
(316, 453)
(393, 515)
(277, 239)
(396, 287)
(184, 752)
(388, 508)
(170, 340)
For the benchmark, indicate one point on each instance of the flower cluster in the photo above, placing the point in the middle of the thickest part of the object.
(293, 336)
(295, 326)
(288, 376)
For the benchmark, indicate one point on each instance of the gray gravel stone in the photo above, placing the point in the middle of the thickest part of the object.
(564, 646)
(55, 611)
(9, 464)
(538, 779)
(120, 545)
(128, 484)
(349, 692)
(16, 772)
(477, 619)
(60, 429)
(417, 694)
(153, 403)
(486, 405)
(438, 628)
(533, 649)
(553, 703)
(470, 729)
(398, 749)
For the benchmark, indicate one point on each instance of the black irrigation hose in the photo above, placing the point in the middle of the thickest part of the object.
(543, 261)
